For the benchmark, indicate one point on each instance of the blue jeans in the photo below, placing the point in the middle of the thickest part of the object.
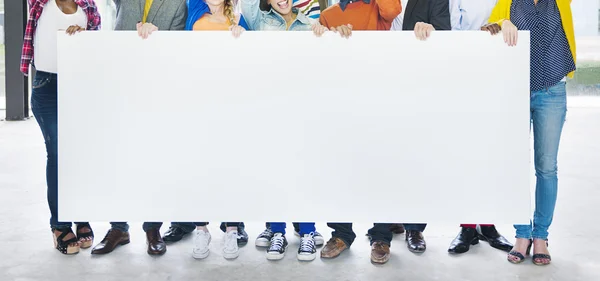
(548, 111)
(123, 226)
(305, 227)
(44, 106)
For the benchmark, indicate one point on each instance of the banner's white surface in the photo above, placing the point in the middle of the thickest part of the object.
(284, 126)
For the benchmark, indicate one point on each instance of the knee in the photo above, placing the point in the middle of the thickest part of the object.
(546, 167)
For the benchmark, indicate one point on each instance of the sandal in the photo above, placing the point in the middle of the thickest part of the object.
(519, 255)
(537, 257)
(81, 237)
(64, 246)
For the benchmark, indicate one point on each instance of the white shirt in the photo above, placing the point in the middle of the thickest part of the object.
(397, 23)
(470, 14)
(50, 22)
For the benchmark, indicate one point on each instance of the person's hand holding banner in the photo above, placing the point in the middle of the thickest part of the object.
(423, 30)
(510, 32)
(344, 30)
(236, 30)
(493, 28)
(318, 29)
(145, 29)
(74, 29)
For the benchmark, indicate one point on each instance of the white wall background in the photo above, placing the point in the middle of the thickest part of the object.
(585, 17)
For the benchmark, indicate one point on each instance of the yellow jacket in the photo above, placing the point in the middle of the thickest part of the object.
(502, 12)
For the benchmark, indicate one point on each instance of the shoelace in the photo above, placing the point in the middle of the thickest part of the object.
(266, 233)
(231, 240)
(307, 243)
(276, 243)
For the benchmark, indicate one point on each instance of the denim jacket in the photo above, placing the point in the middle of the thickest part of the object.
(271, 21)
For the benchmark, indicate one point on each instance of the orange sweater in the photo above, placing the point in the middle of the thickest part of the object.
(377, 15)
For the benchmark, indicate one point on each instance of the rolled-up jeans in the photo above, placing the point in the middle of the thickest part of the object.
(548, 109)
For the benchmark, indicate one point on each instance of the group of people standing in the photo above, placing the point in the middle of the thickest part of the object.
(552, 60)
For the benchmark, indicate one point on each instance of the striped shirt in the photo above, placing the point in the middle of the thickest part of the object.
(310, 8)
(551, 57)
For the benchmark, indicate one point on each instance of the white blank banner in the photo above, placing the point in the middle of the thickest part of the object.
(285, 126)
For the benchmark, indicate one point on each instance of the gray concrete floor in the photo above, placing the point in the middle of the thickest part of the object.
(26, 251)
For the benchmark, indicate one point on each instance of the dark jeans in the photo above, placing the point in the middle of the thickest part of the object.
(380, 232)
(415, 226)
(44, 104)
(186, 226)
(343, 231)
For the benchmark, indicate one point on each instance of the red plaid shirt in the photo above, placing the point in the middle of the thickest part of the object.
(35, 11)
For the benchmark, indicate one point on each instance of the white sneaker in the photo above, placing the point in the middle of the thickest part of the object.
(201, 242)
(230, 247)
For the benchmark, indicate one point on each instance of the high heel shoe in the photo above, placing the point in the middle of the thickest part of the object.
(536, 257)
(81, 237)
(65, 246)
(519, 255)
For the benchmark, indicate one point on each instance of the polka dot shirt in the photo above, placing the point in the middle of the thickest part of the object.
(551, 57)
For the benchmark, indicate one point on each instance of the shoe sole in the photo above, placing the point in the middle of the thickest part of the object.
(306, 257)
(156, 254)
(200, 256)
(416, 251)
(86, 244)
(379, 262)
(275, 257)
(231, 256)
(261, 243)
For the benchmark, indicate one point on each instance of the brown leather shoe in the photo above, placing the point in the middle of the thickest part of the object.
(334, 247)
(156, 245)
(113, 238)
(415, 241)
(397, 228)
(380, 252)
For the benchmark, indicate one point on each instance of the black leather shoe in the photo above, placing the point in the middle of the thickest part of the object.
(174, 234)
(415, 241)
(464, 240)
(491, 235)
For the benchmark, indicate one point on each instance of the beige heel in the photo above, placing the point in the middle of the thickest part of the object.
(85, 244)
(64, 246)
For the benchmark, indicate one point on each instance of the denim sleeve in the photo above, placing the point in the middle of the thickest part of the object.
(252, 13)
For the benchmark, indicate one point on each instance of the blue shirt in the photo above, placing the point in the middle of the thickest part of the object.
(551, 58)
(470, 14)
